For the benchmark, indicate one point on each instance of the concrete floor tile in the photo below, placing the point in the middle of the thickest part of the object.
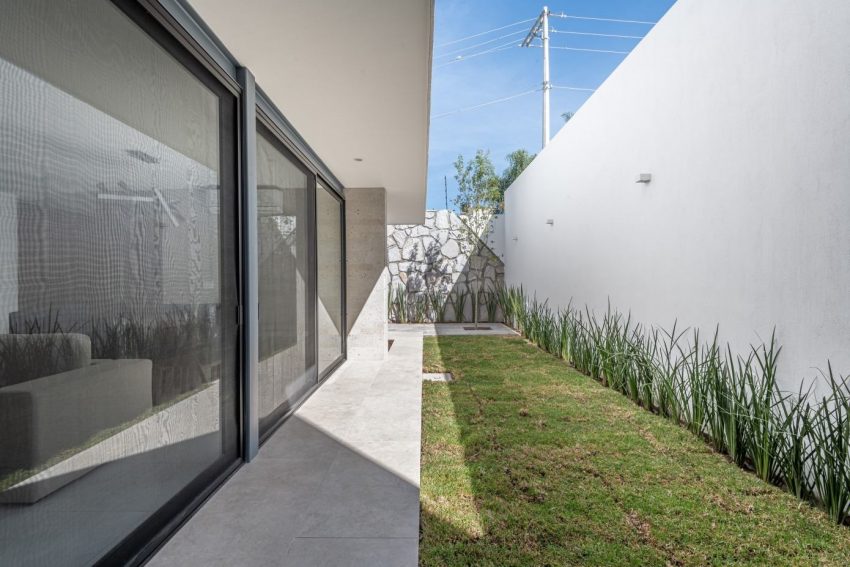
(351, 469)
(337, 484)
(369, 511)
(353, 552)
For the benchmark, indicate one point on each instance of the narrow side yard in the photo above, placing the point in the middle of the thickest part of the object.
(527, 462)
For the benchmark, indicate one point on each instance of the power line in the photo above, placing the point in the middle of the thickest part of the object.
(480, 44)
(563, 47)
(539, 29)
(485, 32)
(573, 88)
(478, 54)
(598, 34)
(507, 98)
(570, 17)
(483, 104)
(566, 48)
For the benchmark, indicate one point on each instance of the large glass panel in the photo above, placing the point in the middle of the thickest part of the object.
(287, 367)
(117, 286)
(329, 258)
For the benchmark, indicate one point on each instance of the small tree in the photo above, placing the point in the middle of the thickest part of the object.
(479, 198)
(479, 188)
(517, 161)
(477, 183)
(481, 195)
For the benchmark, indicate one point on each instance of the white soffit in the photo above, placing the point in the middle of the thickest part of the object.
(352, 76)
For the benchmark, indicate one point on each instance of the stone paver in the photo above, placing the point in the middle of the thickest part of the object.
(438, 377)
(443, 329)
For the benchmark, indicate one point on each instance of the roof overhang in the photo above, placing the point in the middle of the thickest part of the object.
(354, 78)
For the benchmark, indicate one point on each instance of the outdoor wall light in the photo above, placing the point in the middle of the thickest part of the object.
(644, 178)
(358, 159)
(550, 222)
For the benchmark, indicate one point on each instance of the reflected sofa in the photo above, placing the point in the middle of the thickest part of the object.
(42, 418)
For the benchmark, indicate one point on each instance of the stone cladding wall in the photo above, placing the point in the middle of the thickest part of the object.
(440, 256)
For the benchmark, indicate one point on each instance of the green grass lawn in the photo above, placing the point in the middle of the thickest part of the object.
(527, 462)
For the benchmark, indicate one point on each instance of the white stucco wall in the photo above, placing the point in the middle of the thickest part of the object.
(495, 235)
(741, 113)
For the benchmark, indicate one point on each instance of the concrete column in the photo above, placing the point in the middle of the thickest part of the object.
(367, 276)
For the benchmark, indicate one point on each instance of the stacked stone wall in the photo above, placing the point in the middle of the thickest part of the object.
(440, 256)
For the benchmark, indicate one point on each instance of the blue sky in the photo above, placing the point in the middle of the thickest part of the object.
(514, 124)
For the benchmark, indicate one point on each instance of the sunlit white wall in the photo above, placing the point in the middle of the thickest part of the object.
(740, 112)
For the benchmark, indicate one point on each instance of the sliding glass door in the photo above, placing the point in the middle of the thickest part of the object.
(120, 385)
(330, 260)
(285, 202)
(118, 287)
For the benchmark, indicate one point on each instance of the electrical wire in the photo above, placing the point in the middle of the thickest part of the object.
(485, 32)
(480, 44)
(572, 88)
(598, 34)
(569, 17)
(563, 47)
(503, 47)
(478, 54)
(483, 104)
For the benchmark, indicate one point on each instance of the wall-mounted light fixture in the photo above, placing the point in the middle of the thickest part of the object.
(644, 178)
(550, 222)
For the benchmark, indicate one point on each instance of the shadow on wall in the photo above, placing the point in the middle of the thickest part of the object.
(440, 270)
(366, 261)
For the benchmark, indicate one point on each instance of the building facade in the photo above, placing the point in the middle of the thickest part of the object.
(177, 275)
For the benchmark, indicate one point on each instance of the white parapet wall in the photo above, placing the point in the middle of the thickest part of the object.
(741, 114)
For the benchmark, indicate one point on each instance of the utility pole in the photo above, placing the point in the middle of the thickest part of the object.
(546, 85)
(446, 189)
(540, 29)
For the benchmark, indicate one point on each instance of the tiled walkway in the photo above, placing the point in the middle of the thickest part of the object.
(336, 485)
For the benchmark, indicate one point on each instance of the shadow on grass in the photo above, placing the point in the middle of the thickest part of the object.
(491, 498)
(527, 462)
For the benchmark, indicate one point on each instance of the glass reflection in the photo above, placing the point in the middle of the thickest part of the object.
(116, 377)
(286, 368)
(329, 257)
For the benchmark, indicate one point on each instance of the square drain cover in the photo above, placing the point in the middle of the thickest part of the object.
(437, 376)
